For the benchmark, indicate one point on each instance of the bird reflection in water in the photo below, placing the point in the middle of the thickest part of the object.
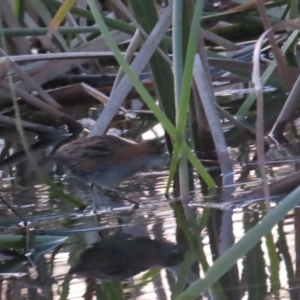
(122, 256)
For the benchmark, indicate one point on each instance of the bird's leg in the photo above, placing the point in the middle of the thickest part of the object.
(94, 205)
(99, 197)
(115, 194)
(136, 203)
(105, 197)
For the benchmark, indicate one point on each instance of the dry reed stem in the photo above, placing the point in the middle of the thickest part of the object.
(258, 90)
(139, 63)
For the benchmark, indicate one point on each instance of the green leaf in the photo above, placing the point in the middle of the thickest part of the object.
(246, 243)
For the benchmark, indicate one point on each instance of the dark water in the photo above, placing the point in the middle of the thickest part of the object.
(130, 241)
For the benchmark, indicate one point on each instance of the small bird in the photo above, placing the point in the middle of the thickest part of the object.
(107, 160)
(121, 256)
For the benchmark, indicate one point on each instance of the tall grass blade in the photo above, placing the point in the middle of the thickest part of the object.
(246, 243)
(168, 126)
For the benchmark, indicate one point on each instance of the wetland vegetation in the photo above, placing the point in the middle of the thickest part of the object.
(216, 83)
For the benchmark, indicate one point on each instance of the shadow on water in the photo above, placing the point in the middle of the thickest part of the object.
(66, 251)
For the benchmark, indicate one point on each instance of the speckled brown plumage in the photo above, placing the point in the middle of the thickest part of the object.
(107, 160)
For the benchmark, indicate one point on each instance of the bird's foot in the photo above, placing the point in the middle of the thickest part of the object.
(116, 196)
